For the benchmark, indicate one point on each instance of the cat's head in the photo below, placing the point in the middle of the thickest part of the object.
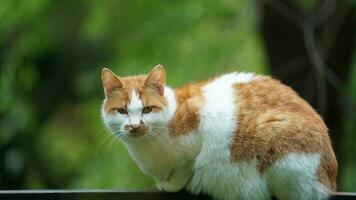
(135, 106)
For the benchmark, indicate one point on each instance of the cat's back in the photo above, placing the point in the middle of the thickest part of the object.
(245, 101)
(250, 99)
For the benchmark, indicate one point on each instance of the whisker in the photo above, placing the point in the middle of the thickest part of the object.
(112, 143)
(106, 137)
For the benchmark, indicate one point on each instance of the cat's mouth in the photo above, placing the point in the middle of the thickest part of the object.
(136, 133)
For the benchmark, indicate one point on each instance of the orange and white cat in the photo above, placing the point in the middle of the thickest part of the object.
(236, 136)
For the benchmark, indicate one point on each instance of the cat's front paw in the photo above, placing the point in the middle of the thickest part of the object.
(168, 186)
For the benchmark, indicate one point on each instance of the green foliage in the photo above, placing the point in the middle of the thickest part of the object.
(347, 174)
(308, 5)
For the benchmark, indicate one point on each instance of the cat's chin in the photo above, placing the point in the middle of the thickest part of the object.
(136, 135)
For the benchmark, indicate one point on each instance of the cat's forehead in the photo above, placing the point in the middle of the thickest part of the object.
(133, 95)
(135, 101)
(122, 97)
(133, 83)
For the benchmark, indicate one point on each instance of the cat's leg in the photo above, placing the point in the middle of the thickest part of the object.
(176, 181)
(293, 178)
(229, 181)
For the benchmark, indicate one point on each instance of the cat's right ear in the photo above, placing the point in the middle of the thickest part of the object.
(110, 81)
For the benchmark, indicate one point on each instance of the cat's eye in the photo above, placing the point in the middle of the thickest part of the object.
(147, 109)
(122, 111)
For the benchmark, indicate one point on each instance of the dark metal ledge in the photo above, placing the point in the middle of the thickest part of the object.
(115, 194)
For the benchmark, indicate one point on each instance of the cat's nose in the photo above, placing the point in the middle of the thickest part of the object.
(135, 126)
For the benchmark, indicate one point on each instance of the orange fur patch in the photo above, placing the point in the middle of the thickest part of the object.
(189, 101)
(274, 121)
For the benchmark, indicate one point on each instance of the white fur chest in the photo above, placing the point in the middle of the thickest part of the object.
(161, 156)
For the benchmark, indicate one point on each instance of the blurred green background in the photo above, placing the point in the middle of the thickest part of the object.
(52, 52)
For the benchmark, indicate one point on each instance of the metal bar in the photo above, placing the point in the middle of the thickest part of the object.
(115, 194)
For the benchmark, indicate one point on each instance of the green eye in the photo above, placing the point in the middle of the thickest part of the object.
(122, 111)
(147, 109)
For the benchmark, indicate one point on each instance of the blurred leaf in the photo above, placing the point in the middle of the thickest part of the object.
(308, 5)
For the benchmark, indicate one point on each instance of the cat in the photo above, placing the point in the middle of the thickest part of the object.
(235, 136)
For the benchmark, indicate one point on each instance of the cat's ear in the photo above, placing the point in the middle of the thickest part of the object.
(156, 79)
(110, 81)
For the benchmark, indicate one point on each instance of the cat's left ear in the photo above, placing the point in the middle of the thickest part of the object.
(110, 81)
(156, 79)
